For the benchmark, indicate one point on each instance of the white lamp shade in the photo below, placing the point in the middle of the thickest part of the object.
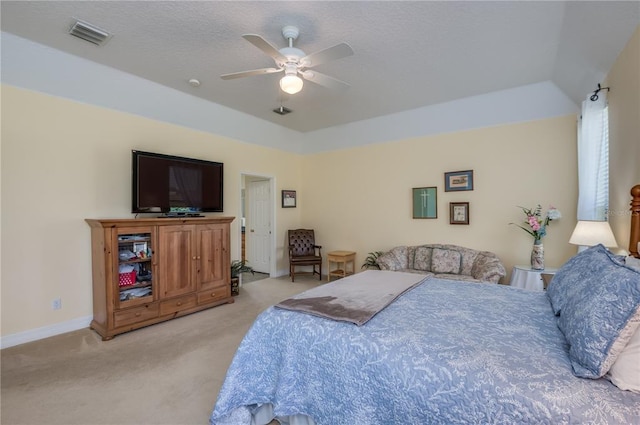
(590, 233)
(291, 84)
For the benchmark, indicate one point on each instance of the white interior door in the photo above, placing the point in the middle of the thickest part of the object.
(258, 225)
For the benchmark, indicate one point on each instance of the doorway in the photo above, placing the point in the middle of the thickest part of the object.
(257, 241)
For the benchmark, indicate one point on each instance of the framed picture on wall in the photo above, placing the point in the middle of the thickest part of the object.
(425, 202)
(288, 199)
(458, 213)
(458, 180)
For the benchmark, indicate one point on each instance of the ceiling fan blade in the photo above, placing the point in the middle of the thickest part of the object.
(241, 74)
(338, 51)
(324, 80)
(265, 46)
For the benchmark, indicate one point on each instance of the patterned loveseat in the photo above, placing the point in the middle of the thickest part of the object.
(444, 261)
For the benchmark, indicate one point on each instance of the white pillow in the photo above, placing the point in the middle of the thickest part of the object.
(625, 371)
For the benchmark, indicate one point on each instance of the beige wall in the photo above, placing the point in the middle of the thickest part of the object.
(360, 199)
(624, 135)
(63, 162)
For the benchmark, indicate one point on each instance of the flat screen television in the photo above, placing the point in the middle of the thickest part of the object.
(175, 185)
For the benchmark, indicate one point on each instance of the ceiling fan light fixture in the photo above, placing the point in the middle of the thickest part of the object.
(291, 84)
(294, 62)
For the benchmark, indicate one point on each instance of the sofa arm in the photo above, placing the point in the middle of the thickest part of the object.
(396, 259)
(487, 267)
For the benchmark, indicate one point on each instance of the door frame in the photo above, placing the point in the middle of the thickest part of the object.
(272, 207)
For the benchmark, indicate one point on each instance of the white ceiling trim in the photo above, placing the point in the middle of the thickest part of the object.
(36, 67)
(526, 103)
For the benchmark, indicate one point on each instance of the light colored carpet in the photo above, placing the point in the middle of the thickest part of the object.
(169, 373)
(252, 277)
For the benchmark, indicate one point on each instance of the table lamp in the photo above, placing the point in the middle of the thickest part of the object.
(589, 233)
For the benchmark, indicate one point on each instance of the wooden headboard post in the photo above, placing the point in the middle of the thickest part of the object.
(634, 236)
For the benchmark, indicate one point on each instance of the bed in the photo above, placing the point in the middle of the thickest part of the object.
(451, 352)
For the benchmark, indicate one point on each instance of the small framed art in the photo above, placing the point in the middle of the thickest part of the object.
(425, 202)
(458, 213)
(458, 180)
(288, 199)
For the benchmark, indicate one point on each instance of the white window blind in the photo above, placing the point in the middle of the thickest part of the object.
(593, 160)
(602, 184)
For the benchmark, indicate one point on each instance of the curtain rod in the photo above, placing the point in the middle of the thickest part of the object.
(594, 96)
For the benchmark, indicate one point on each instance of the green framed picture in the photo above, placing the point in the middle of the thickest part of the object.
(425, 202)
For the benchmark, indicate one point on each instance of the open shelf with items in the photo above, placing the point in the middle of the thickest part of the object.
(135, 267)
(150, 270)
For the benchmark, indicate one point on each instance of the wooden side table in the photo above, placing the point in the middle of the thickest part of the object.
(526, 278)
(345, 262)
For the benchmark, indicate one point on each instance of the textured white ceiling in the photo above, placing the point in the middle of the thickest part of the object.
(407, 54)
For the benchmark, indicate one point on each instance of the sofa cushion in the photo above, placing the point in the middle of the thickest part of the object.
(445, 261)
(422, 258)
(467, 259)
(396, 259)
(467, 255)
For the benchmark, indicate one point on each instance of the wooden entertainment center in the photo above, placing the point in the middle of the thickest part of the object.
(150, 270)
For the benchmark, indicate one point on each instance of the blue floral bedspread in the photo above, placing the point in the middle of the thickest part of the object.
(443, 353)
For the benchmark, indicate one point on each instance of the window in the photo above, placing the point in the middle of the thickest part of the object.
(593, 160)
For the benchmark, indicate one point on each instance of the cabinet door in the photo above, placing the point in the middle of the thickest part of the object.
(213, 265)
(177, 260)
(135, 269)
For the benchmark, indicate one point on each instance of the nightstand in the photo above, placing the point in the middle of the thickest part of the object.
(342, 259)
(526, 278)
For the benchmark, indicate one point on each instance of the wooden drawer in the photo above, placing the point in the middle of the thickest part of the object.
(214, 294)
(178, 304)
(135, 315)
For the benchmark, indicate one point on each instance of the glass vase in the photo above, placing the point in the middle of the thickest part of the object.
(537, 255)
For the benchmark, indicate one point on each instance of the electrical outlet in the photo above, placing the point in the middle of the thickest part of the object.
(56, 304)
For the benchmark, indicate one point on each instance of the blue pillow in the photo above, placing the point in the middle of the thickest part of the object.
(574, 275)
(599, 309)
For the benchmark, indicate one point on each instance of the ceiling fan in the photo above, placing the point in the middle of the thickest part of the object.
(295, 63)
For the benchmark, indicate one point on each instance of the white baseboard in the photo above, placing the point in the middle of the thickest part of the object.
(45, 332)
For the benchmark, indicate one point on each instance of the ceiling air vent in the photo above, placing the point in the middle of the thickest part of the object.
(89, 33)
(282, 110)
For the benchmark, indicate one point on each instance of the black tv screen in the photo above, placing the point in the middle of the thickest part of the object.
(175, 185)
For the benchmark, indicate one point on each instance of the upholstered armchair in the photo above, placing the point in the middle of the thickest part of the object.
(303, 251)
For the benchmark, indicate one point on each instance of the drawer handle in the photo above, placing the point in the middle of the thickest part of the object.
(213, 294)
(138, 314)
(179, 303)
